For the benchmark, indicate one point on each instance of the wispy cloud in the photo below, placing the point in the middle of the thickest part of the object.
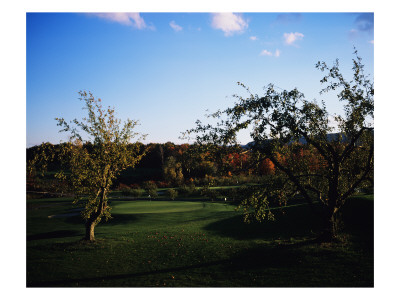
(291, 38)
(229, 23)
(365, 22)
(268, 53)
(265, 53)
(127, 19)
(363, 25)
(175, 26)
(253, 38)
(353, 33)
(371, 42)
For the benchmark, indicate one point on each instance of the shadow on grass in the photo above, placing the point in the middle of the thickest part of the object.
(358, 214)
(261, 260)
(270, 257)
(84, 281)
(358, 220)
(53, 235)
(123, 219)
(294, 222)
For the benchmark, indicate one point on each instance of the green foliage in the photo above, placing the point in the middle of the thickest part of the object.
(153, 193)
(172, 171)
(136, 192)
(150, 188)
(187, 190)
(99, 149)
(212, 194)
(172, 193)
(126, 191)
(149, 185)
(39, 160)
(332, 167)
(131, 192)
(256, 200)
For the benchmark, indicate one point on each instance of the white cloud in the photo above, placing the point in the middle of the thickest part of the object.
(175, 26)
(290, 38)
(371, 42)
(268, 53)
(127, 19)
(253, 38)
(229, 23)
(353, 33)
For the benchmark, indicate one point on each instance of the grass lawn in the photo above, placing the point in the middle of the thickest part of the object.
(195, 244)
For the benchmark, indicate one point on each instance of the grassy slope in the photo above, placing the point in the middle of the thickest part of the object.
(177, 243)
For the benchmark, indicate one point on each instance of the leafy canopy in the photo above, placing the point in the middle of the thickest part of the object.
(284, 123)
(99, 149)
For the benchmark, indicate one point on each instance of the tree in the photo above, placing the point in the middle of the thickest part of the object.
(284, 122)
(172, 170)
(150, 188)
(94, 161)
(172, 193)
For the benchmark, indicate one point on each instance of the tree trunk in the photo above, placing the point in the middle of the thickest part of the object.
(331, 225)
(331, 217)
(89, 236)
(95, 218)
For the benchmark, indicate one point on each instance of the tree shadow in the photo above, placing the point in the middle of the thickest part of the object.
(123, 219)
(85, 281)
(254, 259)
(358, 221)
(292, 222)
(53, 235)
(358, 214)
(75, 220)
(265, 256)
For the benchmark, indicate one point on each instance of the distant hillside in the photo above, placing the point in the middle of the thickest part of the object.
(331, 137)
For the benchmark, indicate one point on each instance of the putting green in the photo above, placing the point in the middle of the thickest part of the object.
(151, 207)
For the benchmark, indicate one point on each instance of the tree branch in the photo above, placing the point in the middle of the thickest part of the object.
(351, 144)
(293, 178)
(362, 178)
(318, 147)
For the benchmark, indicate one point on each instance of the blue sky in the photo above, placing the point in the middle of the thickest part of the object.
(167, 69)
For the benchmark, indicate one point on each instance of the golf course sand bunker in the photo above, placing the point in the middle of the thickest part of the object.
(152, 207)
